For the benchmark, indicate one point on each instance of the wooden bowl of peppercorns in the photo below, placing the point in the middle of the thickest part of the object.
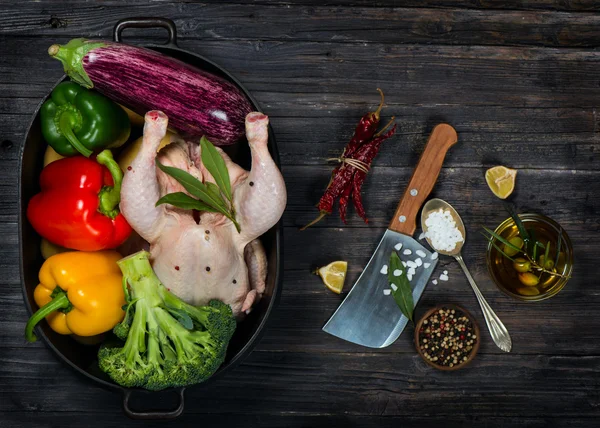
(447, 337)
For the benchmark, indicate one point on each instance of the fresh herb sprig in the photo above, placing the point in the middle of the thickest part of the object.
(529, 249)
(211, 197)
(403, 292)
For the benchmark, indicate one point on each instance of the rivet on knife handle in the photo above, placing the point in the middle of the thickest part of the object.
(423, 179)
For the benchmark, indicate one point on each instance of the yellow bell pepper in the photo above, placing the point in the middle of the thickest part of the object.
(79, 293)
(127, 156)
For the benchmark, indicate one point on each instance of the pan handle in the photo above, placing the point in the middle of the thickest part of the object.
(155, 414)
(146, 23)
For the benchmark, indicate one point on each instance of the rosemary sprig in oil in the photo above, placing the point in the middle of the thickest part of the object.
(540, 265)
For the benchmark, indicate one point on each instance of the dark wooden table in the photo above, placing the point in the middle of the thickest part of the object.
(520, 81)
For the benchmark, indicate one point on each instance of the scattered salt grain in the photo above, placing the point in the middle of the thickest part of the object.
(404, 263)
(421, 236)
(434, 256)
(397, 272)
(421, 253)
(442, 231)
(384, 269)
(394, 287)
(387, 292)
(445, 272)
(411, 271)
(407, 252)
(409, 276)
(426, 265)
(443, 277)
(419, 262)
(398, 246)
(411, 264)
(434, 282)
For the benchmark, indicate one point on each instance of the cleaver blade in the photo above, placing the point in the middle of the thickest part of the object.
(367, 316)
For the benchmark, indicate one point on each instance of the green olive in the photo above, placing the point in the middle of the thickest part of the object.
(517, 242)
(547, 264)
(528, 291)
(521, 265)
(528, 279)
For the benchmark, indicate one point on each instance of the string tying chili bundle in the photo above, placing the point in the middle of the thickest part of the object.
(354, 164)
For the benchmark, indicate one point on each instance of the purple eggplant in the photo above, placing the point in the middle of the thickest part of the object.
(197, 103)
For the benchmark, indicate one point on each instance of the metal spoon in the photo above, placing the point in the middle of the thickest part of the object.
(497, 329)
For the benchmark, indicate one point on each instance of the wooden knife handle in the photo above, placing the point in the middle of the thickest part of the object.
(423, 179)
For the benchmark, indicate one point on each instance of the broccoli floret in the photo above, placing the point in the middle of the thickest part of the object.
(167, 341)
(121, 330)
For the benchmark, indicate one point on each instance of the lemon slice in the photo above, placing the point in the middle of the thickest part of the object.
(334, 275)
(501, 180)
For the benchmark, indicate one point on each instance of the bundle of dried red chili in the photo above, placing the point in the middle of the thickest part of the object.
(359, 176)
(347, 178)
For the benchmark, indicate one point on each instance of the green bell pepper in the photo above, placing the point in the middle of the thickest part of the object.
(76, 120)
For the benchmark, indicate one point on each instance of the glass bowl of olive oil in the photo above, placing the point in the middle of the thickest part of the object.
(519, 274)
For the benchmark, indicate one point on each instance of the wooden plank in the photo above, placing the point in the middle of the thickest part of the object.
(565, 195)
(524, 138)
(536, 329)
(489, 122)
(286, 22)
(443, 76)
(350, 384)
(306, 304)
(551, 5)
(531, 105)
(465, 188)
(190, 417)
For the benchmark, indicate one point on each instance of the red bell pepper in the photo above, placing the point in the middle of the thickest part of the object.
(77, 207)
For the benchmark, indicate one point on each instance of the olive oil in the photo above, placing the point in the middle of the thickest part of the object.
(533, 285)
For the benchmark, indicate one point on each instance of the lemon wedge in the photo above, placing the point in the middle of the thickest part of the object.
(501, 180)
(334, 275)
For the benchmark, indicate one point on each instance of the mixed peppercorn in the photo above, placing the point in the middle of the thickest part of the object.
(447, 337)
(348, 177)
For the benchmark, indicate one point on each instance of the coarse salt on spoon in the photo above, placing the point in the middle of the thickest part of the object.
(445, 233)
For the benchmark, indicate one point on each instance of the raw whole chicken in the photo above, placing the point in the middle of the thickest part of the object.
(203, 257)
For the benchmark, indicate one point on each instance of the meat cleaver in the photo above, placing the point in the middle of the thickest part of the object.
(367, 316)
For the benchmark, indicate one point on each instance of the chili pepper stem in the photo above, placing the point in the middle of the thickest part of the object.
(65, 125)
(315, 221)
(378, 111)
(110, 196)
(387, 125)
(61, 301)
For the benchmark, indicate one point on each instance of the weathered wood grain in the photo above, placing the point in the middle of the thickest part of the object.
(351, 384)
(396, 25)
(520, 83)
(553, 138)
(306, 304)
(292, 420)
(552, 5)
(499, 105)
(411, 75)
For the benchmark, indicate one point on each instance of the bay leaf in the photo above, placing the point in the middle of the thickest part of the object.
(195, 187)
(403, 293)
(184, 201)
(215, 164)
